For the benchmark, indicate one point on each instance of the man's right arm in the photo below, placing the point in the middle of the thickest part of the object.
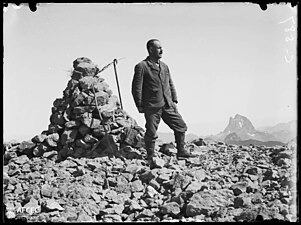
(137, 85)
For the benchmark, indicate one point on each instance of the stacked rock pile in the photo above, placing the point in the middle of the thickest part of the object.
(225, 183)
(86, 122)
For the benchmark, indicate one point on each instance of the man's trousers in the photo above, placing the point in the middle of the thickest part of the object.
(169, 115)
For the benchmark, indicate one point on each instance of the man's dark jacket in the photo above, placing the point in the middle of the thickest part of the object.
(152, 85)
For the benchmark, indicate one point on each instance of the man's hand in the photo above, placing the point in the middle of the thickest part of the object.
(140, 109)
(175, 107)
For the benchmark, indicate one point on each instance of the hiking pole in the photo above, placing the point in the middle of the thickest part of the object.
(100, 116)
(106, 66)
(115, 70)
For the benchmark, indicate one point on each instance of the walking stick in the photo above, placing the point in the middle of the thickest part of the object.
(106, 66)
(115, 70)
(106, 137)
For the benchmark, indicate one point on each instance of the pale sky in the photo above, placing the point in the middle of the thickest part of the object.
(224, 59)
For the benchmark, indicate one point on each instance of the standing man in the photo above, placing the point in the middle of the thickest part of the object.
(155, 95)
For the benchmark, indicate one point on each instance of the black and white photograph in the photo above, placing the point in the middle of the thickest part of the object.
(150, 112)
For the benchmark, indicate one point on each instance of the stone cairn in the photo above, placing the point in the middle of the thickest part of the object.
(87, 121)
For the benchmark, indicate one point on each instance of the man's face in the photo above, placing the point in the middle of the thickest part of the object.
(156, 50)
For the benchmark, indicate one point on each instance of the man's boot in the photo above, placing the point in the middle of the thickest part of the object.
(180, 141)
(150, 149)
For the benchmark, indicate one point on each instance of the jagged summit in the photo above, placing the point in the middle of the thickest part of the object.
(239, 123)
(243, 129)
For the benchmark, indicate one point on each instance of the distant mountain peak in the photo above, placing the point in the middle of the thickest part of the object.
(239, 123)
(241, 130)
(237, 116)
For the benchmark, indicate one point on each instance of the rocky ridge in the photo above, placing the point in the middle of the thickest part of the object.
(283, 132)
(70, 174)
(224, 183)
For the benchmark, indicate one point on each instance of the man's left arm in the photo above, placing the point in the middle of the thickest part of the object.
(172, 89)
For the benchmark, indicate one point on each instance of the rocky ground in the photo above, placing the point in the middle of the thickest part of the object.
(224, 183)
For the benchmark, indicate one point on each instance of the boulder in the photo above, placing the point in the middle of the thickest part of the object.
(39, 138)
(199, 142)
(171, 208)
(52, 139)
(205, 203)
(68, 136)
(26, 145)
(239, 188)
